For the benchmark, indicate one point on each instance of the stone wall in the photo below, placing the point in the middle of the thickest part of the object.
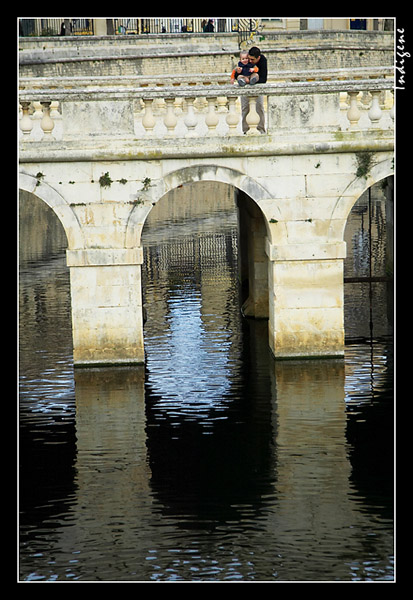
(203, 54)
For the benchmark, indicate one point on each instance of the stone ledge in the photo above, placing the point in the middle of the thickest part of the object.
(98, 149)
(306, 251)
(104, 257)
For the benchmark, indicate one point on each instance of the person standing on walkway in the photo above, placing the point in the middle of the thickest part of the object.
(256, 58)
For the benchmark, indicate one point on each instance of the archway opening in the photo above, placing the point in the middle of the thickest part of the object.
(44, 286)
(47, 441)
(368, 267)
(197, 272)
(368, 320)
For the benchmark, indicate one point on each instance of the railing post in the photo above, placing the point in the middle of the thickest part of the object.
(54, 110)
(253, 117)
(47, 123)
(353, 113)
(190, 119)
(232, 117)
(148, 120)
(211, 118)
(170, 119)
(26, 124)
(375, 111)
(222, 104)
(38, 113)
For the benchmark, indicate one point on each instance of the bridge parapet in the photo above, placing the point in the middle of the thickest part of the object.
(321, 110)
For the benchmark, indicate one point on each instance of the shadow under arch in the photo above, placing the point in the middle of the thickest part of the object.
(192, 174)
(59, 206)
(369, 265)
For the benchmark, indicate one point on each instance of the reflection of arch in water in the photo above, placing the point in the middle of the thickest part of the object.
(190, 290)
(190, 367)
(218, 465)
(203, 398)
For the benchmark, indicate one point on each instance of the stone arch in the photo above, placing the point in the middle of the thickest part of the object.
(219, 173)
(352, 193)
(58, 204)
(191, 174)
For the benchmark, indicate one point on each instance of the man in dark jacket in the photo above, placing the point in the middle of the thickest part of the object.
(258, 59)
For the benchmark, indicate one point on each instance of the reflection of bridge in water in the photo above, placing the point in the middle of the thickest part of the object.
(255, 469)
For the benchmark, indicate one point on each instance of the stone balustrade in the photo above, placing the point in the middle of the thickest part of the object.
(198, 111)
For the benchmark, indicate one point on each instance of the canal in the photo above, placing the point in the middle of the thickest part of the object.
(213, 462)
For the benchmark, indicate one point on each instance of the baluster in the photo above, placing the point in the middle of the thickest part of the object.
(38, 113)
(365, 100)
(201, 104)
(158, 107)
(375, 111)
(46, 123)
(392, 108)
(253, 117)
(26, 124)
(148, 120)
(232, 117)
(222, 104)
(190, 119)
(179, 106)
(170, 119)
(54, 110)
(211, 118)
(343, 101)
(353, 113)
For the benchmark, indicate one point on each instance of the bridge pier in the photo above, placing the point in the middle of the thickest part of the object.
(306, 300)
(107, 319)
(252, 257)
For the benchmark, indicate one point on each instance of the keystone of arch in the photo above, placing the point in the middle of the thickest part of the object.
(59, 206)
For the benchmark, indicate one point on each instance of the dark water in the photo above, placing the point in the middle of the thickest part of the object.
(213, 463)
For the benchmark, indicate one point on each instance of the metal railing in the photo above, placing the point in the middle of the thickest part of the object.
(53, 27)
(178, 25)
(137, 26)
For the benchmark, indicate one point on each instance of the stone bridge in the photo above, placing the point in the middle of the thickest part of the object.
(101, 152)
